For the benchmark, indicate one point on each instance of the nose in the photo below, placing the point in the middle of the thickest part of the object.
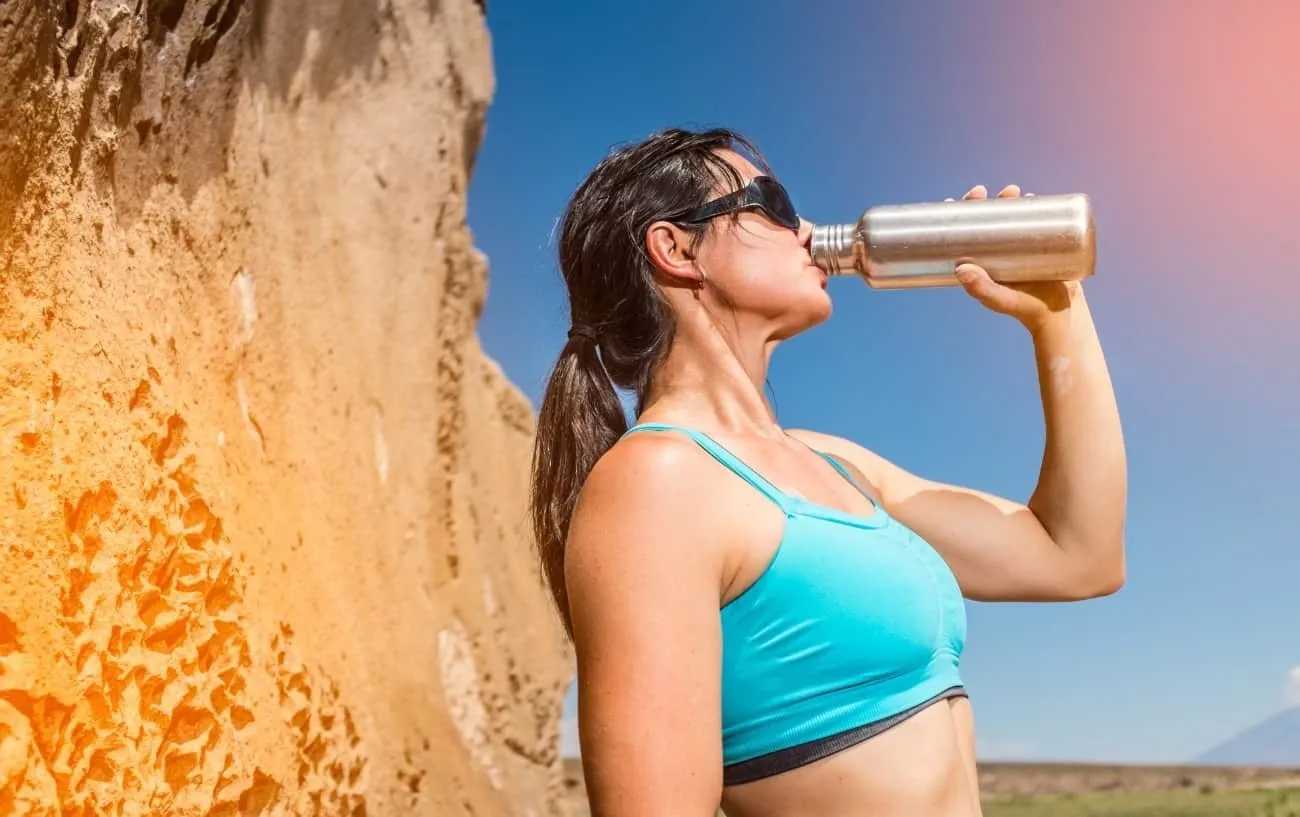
(805, 233)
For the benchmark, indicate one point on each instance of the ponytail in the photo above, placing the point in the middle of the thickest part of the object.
(613, 288)
(580, 419)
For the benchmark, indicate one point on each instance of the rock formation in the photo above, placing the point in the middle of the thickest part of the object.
(263, 542)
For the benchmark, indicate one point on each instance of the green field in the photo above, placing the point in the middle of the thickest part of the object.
(1169, 803)
(1104, 790)
(1175, 803)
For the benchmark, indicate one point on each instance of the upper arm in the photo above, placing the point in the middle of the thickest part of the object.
(643, 582)
(997, 548)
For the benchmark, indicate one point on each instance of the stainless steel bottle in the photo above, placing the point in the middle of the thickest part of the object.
(908, 246)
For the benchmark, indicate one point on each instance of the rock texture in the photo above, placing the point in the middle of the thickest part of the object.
(263, 543)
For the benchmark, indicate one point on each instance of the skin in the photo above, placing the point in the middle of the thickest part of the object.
(663, 536)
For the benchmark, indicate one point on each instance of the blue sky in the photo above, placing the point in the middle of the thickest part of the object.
(1178, 118)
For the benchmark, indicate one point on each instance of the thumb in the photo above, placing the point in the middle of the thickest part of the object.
(979, 285)
(974, 279)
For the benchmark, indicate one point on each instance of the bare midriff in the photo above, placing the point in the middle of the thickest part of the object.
(923, 767)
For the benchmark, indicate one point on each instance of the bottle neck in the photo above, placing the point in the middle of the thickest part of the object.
(831, 247)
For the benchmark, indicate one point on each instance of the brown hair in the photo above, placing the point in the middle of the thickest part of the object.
(622, 327)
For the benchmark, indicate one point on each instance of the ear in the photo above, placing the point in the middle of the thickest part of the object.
(669, 247)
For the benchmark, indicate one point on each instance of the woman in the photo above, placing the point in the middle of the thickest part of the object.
(770, 619)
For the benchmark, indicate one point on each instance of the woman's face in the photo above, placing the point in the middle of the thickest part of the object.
(761, 271)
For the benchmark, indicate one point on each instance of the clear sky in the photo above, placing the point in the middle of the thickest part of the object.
(1181, 118)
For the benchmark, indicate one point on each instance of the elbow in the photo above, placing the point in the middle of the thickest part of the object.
(1109, 583)
(1097, 570)
(1103, 577)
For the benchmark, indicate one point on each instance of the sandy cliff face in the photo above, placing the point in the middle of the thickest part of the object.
(263, 547)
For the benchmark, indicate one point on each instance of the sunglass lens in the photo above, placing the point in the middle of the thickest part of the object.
(777, 202)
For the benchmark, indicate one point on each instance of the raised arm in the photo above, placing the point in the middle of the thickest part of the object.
(644, 574)
(1067, 540)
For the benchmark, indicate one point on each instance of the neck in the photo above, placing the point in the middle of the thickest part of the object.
(714, 382)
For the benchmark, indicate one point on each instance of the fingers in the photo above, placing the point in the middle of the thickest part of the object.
(973, 277)
(980, 285)
(980, 191)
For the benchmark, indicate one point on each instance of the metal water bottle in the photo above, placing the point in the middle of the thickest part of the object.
(910, 246)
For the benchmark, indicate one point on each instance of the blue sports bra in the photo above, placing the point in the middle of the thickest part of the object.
(855, 624)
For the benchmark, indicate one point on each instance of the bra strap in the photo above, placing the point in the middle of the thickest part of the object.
(722, 455)
(844, 472)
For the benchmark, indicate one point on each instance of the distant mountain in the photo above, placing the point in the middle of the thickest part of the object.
(1274, 742)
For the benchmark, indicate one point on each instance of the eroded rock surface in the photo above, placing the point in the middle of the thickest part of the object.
(263, 543)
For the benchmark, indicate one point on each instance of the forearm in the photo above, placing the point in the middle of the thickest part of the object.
(1080, 498)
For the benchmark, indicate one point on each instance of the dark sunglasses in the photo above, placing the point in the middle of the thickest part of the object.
(762, 192)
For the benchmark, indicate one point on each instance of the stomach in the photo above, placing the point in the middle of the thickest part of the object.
(922, 767)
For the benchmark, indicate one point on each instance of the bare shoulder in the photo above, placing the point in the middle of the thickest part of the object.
(637, 518)
(648, 475)
(640, 470)
(643, 571)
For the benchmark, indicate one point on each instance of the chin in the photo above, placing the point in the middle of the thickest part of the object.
(808, 311)
(818, 306)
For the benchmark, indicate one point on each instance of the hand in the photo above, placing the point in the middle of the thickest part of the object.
(1032, 304)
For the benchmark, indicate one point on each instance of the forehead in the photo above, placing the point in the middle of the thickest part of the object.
(746, 169)
(743, 166)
